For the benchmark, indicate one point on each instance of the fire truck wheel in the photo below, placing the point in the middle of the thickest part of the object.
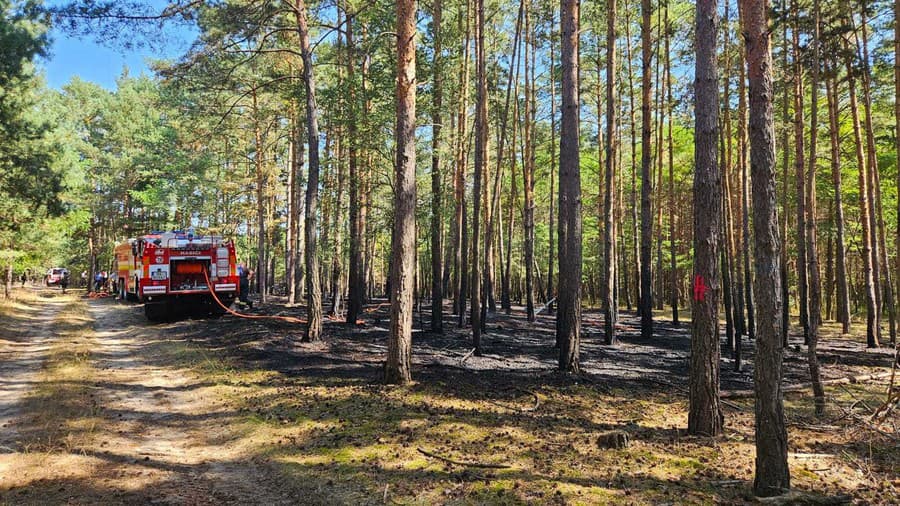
(156, 312)
(121, 284)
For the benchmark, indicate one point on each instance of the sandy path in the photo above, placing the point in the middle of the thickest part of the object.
(161, 434)
(22, 352)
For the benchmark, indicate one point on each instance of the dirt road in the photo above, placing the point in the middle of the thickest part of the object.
(94, 411)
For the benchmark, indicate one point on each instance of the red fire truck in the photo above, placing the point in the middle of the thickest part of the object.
(169, 270)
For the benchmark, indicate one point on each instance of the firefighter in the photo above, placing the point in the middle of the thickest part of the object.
(64, 282)
(245, 274)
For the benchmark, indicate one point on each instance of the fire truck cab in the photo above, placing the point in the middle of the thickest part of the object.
(177, 270)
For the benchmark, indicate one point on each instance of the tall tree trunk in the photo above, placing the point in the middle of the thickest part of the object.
(871, 165)
(503, 145)
(528, 168)
(403, 237)
(551, 222)
(296, 209)
(337, 275)
(646, 175)
(460, 230)
(635, 234)
(897, 138)
(733, 312)
(785, 161)
(673, 213)
(313, 286)
(609, 254)
(705, 415)
(772, 473)
(659, 159)
(437, 290)
(881, 258)
(481, 137)
(356, 275)
(815, 287)
(745, 196)
(568, 318)
(872, 339)
(799, 167)
(261, 184)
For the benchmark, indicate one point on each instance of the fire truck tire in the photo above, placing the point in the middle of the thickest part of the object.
(156, 312)
(121, 290)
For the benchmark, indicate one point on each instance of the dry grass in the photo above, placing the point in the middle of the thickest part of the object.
(359, 444)
(63, 412)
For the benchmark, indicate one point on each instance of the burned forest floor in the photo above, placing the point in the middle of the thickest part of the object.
(99, 406)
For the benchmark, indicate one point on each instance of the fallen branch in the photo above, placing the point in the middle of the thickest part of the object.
(743, 394)
(466, 356)
(462, 463)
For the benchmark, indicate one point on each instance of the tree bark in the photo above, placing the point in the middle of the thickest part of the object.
(296, 210)
(772, 473)
(356, 275)
(261, 184)
(815, 287)
(745, 196)
(799, 167)
(437, 290)
(528, 168)
(403, 237)
(460, 229)
(313, 286)
(551, 221)
(568, 318)
(872, 338)
(609, 254)
(481, 137)
(503, 145)
(705, 415)
(673, 213)
(875, 221)
(646, 301)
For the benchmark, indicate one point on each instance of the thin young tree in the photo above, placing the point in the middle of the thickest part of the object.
(403, 237)
(670, 144)
(897, 133)
(705, 415)
(481, 138)
(772, 474)
(313, 287)
(843, 294)
(437, 289)
(528, 165)
(568, 318)
(869, 272)
(460, 215)
(800, 167)
(609, 271)
(646, 300)
(356, 275)
(815, 287)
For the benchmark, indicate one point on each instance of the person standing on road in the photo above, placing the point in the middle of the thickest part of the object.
(64, 282)
(245, 274)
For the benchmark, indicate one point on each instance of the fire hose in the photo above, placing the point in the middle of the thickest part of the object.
(288, 319)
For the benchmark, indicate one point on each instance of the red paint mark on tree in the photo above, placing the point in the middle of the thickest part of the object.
(699, 288)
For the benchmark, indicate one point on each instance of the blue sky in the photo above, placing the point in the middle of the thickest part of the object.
(102, 64)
